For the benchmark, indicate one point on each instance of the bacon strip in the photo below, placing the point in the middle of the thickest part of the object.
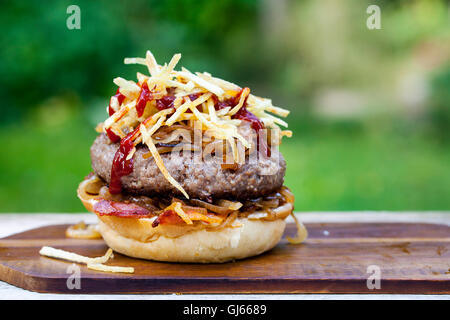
(131, 210)
(167, 217)
(121, 209)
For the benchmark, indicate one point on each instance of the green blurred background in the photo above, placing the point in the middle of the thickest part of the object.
(370, 108)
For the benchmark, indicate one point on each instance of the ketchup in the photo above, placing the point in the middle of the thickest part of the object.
(165, 102)
(256, 124)
(120, 165)
(192, 97)
(120, 97)
(112, 136)
(144, 97)
(244, 114)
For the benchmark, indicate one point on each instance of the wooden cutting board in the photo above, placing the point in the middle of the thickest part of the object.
(412, 258)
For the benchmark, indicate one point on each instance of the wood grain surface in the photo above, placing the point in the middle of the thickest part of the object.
(413, 259)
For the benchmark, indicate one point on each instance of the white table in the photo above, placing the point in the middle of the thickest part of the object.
(13, 223)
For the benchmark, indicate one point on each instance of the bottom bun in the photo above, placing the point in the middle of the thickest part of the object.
(247, 238)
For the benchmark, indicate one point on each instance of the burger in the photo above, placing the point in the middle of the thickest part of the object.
(186, 168)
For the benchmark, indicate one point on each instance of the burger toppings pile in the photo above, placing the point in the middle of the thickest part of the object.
(147, 111)
(164, 112)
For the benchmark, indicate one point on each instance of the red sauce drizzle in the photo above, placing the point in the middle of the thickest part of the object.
(120, 97)
(192, 97)
(244, 114)
(256, 124)
(121, 166)
(144, 97)
(112, 136)
(165, 102)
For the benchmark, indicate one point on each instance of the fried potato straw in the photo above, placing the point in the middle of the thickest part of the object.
(92, 263)
(168, 98)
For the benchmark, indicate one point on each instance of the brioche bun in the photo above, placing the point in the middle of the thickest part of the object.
(248, 235)
(251, 238)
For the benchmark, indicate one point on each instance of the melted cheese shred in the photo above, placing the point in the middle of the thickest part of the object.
(165, 80)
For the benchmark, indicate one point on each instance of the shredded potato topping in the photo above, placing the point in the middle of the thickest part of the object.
(92, 263)
(144, 107)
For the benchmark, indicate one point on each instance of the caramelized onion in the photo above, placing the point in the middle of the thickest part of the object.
(233, 205)
(271, 203)
(302, 233)
(89, 189)
(287, 194)
(272, 207)
(225, 208)
(83, 231)
(228, 222)
(195, 209)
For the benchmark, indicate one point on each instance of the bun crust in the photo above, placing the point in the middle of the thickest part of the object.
(196, 243)
(136, 238)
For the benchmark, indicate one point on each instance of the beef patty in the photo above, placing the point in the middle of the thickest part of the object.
(200, 179)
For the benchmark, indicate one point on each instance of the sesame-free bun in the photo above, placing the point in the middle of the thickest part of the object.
(137, 238)
(245, 236)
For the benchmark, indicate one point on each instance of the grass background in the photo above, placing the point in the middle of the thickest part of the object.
(370, 108)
